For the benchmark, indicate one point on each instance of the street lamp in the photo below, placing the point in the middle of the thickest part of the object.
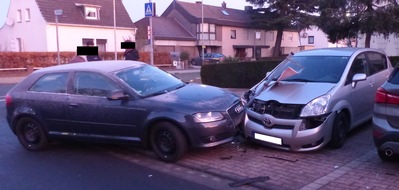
(116, 55)
(202, 30)
(57, 13)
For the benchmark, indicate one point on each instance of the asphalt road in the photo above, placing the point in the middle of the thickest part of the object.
(83, 166)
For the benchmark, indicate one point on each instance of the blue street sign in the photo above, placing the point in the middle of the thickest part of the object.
(149, 9)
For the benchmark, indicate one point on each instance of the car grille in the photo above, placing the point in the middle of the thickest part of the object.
(277, 110)
(275, 126)
(235, 110)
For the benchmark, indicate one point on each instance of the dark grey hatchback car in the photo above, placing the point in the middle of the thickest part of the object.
(121, 102)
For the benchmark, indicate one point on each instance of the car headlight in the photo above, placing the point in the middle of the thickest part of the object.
(316, 107)
(207, 117)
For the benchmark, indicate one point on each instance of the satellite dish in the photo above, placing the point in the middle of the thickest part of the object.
(10, 21)
(304, 35)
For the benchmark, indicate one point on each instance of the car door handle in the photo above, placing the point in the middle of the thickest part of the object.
(371, 84)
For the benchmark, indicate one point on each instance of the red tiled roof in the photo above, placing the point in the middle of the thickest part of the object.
(166, 28)
(212, 14)
(73, 14)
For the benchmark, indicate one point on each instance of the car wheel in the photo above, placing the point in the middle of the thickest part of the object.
(193, 62)
(168, 142)
(31, 134)
(340, 130)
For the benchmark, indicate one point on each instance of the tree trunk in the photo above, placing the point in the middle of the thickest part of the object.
(367, 40)
(277, 45)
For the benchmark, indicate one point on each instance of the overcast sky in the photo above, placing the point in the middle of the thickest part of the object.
(135, 8)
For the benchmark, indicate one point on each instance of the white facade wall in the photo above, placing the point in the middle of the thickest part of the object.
(30, 31)
(34, 34)
(70, 36)
(320, 39)
(253, 38)
(390, 45)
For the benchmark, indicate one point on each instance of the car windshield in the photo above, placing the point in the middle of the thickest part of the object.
(148, 80)
(313, 68)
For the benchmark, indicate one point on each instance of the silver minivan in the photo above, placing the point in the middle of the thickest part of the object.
(314, 97)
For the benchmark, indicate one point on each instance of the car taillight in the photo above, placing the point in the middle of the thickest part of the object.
(8, 100)
(382, 96)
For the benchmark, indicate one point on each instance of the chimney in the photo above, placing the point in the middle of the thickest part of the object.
(248, 8)
(198, 2)
(224, 5)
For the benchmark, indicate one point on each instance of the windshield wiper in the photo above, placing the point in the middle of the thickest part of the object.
(298, 80)
(157, 93)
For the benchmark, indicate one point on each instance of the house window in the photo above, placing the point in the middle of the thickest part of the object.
(27, 15)
(271, 36)
(209, 31)
(258, 35)
(91, 13)
(19, 15)
(225, 12)
(291, 37)
(246, 36)
(19, 44)
(233, 34)
(101, 44)
(85, 40)
(212, 28)
(310, 39)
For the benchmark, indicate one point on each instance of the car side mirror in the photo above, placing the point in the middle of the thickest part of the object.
(358, 77)
(117, 95)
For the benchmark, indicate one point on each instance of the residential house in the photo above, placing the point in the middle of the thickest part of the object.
(169, 35)
(191, 26)
(389, 44)
(31, 25)
(316, 38)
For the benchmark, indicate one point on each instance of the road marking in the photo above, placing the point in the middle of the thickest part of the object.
(319, 183)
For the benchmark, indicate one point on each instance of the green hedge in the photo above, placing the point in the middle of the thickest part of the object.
(236, 75)
(46, 59)
(244, 74)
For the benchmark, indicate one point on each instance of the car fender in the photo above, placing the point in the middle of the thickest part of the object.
(22, 112)
(155, 117)
(342, 105)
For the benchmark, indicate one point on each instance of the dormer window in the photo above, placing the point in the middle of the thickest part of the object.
(91, 12)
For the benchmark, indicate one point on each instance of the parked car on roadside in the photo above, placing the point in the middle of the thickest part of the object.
(315, 97)
(386, 118)
(209, 58)
(121, 102)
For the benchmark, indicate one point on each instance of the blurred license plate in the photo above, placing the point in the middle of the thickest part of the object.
(267, 138)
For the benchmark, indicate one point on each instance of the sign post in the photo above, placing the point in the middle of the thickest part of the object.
(149, 9)
(57, 13)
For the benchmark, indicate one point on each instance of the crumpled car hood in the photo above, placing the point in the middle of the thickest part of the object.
(199, 97)
(294, 92)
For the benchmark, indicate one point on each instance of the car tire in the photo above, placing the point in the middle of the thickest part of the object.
(168, 142)
(340, 130)
(31, 134)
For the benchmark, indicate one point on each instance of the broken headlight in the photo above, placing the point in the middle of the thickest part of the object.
(316, 107)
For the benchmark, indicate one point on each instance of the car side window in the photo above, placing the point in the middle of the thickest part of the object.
(54, 83)
(358, 66)
(376, 62)
(92, 84)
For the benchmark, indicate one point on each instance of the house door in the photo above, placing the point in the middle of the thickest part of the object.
(240, 53)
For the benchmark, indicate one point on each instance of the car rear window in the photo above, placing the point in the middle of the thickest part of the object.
(394, 79)
(54, 83)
